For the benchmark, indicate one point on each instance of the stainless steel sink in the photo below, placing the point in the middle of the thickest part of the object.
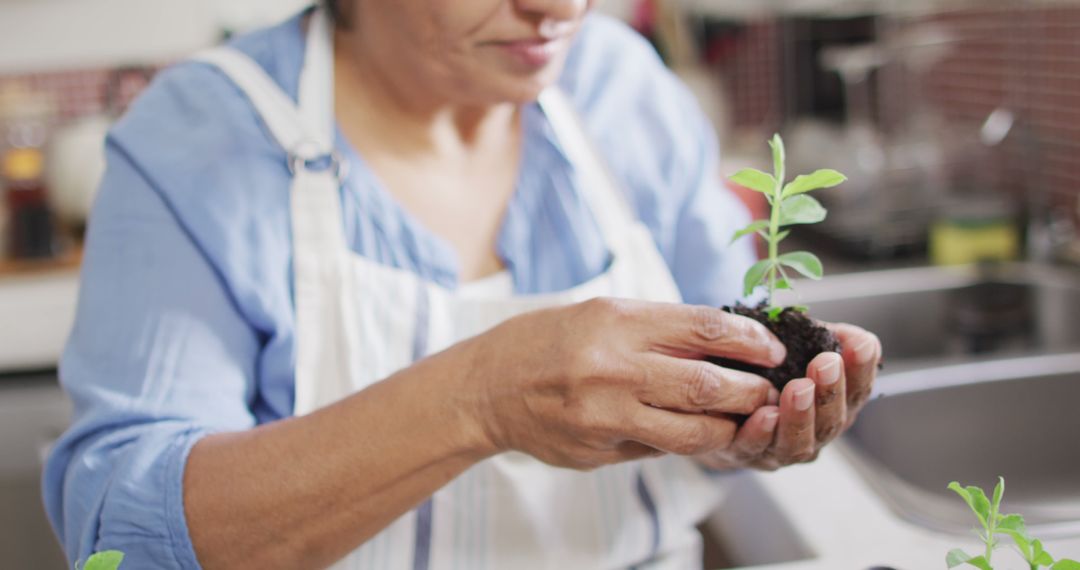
(1016, 418)
(931, 316)
(982, 379)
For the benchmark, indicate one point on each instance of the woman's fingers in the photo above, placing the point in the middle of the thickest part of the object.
(862, 354)
(681, 434)
(698, 386)
(694, 331)
(795, 442)
(756, 434)
(830, 416)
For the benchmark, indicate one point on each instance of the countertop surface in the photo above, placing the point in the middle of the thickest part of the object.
(835, 517)
(847, 527)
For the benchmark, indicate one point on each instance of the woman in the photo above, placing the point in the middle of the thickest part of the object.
(352, 297)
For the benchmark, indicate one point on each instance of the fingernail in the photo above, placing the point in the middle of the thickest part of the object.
(864, 353)
(769, 422)
(804, 398)
(777, 352)
(774, 396)
(830, 373)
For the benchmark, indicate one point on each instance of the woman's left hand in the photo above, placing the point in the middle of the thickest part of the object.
(812, 412)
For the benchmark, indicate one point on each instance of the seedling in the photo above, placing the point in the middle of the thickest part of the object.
(995, 524)
(790, 205)
(106, 560)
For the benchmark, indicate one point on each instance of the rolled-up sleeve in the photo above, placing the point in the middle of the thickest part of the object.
(159, 357)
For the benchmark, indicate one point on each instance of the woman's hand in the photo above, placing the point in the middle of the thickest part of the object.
(608, 381)
(812, 412)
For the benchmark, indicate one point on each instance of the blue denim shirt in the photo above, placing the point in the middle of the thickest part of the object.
(185, 322)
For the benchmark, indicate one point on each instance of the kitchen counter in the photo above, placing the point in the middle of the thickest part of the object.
(839, 523)
(825, 515)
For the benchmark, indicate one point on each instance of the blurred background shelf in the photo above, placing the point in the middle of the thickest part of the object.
(66, 263)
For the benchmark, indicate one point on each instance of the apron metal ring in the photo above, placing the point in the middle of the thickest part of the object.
(303, 159)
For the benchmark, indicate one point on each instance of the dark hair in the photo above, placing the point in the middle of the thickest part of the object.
(334, 6)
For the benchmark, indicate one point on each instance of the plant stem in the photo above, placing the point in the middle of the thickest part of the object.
(991, 533)
(774, 231)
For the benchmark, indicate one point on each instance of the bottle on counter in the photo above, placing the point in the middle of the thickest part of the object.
(30, 232)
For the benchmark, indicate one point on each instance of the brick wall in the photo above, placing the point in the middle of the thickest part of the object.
(78, 93)
(1027, 60)
(749, 62)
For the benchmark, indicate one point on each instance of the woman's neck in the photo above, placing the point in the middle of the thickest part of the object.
(375, 94)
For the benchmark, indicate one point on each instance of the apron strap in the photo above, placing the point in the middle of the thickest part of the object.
(316, 98)
(304, 130)
(305, 133)
(607, 203)
(326, 324)
(277, 110)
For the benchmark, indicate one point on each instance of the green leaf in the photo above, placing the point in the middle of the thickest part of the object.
(1065, 564)
(107, 560)
(801, 308)
(957, 557)
(783, 284)
(809, 182)
(774, 313)
(779, 154)
(755, 180)
(754, 275)
(999, 491)
(804, 262)
(752, 228)
(1040, 556)
(1013, 525)
(801, 210)
(782, 235)
(976, 499)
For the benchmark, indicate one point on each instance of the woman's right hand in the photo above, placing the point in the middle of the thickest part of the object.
(608, 381)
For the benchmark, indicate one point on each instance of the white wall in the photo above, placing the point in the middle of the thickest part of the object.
(43, 35)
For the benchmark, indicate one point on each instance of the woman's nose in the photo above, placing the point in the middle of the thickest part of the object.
(557, 10)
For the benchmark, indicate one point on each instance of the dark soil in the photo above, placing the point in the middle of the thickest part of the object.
(803, 337)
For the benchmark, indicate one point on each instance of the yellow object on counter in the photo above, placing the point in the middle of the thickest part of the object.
(965, 242)
(22, 164)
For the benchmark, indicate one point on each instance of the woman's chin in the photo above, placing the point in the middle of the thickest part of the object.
(526, 93)
(524, 90)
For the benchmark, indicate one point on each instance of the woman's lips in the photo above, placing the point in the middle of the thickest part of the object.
(531, 53)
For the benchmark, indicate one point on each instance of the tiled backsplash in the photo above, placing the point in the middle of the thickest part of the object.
(750, 65)
(1026, 60)
(78, 93)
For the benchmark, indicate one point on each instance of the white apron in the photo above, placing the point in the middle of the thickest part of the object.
(358, 322)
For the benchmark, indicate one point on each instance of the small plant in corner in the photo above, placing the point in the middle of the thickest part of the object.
(994, 524)
(106, 560)
(790, 205)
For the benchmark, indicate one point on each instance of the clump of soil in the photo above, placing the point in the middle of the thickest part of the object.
(804, 339)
